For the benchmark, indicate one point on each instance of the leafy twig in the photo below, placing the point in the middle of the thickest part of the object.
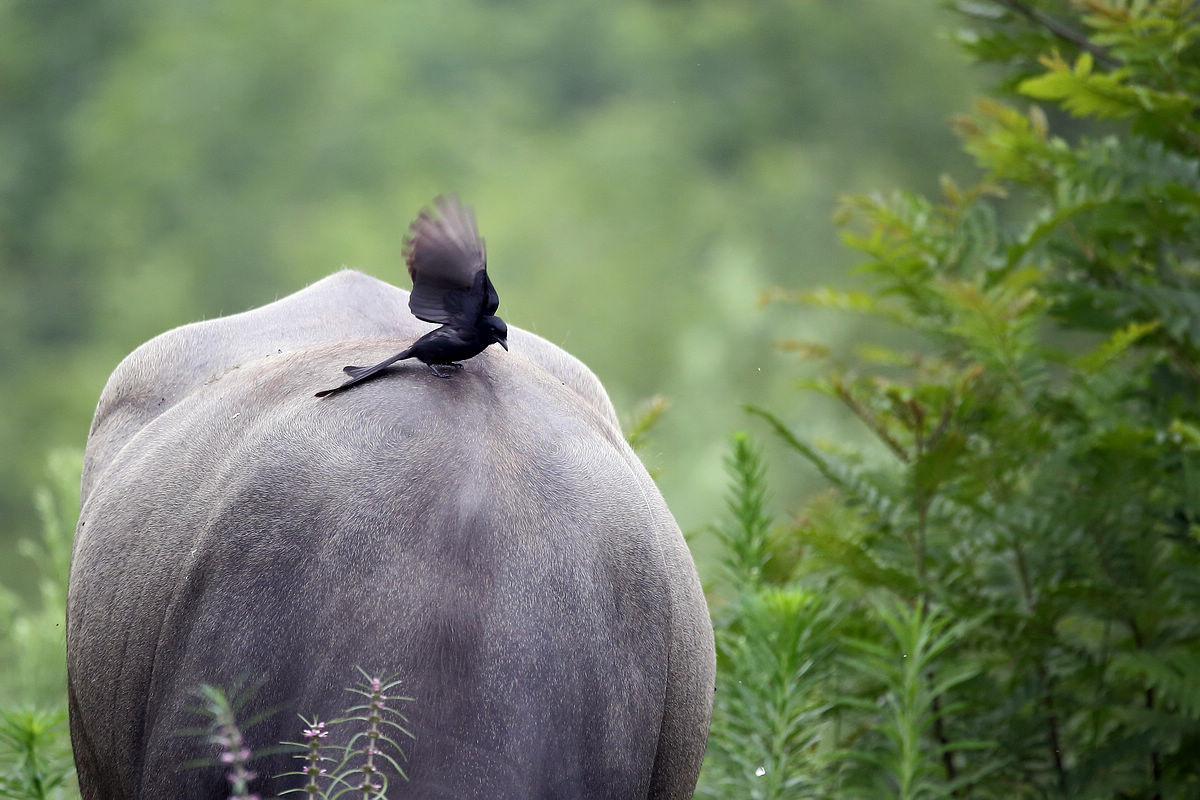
(1061, 31)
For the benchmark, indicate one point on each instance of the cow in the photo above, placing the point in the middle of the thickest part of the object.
(490, 538)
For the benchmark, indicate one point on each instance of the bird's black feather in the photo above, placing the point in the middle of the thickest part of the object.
(445, 256)
(447, 261)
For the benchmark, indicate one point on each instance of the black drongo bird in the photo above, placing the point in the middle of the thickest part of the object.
(448, 265)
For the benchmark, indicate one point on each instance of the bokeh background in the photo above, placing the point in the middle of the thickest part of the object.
(642, 171)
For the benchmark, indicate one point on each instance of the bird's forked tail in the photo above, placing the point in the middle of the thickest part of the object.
(360, 374)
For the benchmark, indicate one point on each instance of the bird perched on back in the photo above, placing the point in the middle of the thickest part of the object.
(447, 262)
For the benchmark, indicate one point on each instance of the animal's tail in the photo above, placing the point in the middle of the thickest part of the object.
(360, 374)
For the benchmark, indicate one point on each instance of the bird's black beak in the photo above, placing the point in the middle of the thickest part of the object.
(503, 343)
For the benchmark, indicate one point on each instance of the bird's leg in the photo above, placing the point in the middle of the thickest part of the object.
(453, 367)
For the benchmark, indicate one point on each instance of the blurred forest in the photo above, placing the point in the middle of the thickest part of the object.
(641, 170)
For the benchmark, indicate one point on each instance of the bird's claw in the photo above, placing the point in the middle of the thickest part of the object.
(453, 367)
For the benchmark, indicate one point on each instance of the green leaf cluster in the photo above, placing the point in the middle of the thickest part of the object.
(1010, 581)
(35, 751)
(35, 756)
(773, 654)
(33, 636)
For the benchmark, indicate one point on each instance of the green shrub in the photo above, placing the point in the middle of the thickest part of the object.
(772, 657)
(1013, 574)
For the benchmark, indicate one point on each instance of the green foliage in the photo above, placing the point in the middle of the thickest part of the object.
(1104, 95)
(33, 643)
(802, 671)
(35, 756)
(744, 541)
(768, 709)
(909, 681)
(645, 418)
(1011, 574)
(361, 765)
(35, 760)
(773, 655)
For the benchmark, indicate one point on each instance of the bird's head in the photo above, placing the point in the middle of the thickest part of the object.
(498, 330)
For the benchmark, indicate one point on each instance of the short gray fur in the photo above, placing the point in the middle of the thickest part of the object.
(491, 539)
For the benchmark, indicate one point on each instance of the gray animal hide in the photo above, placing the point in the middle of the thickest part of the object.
(490, 538)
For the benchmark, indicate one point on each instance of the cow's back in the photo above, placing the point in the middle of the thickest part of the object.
(489, 539)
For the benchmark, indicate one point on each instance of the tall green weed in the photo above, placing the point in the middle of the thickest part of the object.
(35, 753)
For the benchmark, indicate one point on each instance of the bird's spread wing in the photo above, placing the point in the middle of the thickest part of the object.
(492, 302)
(447, 263)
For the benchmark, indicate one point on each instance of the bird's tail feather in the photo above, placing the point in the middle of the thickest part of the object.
(357, 372)
(360, 374)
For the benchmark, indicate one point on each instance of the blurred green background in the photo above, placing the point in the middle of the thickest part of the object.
(642, 171)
